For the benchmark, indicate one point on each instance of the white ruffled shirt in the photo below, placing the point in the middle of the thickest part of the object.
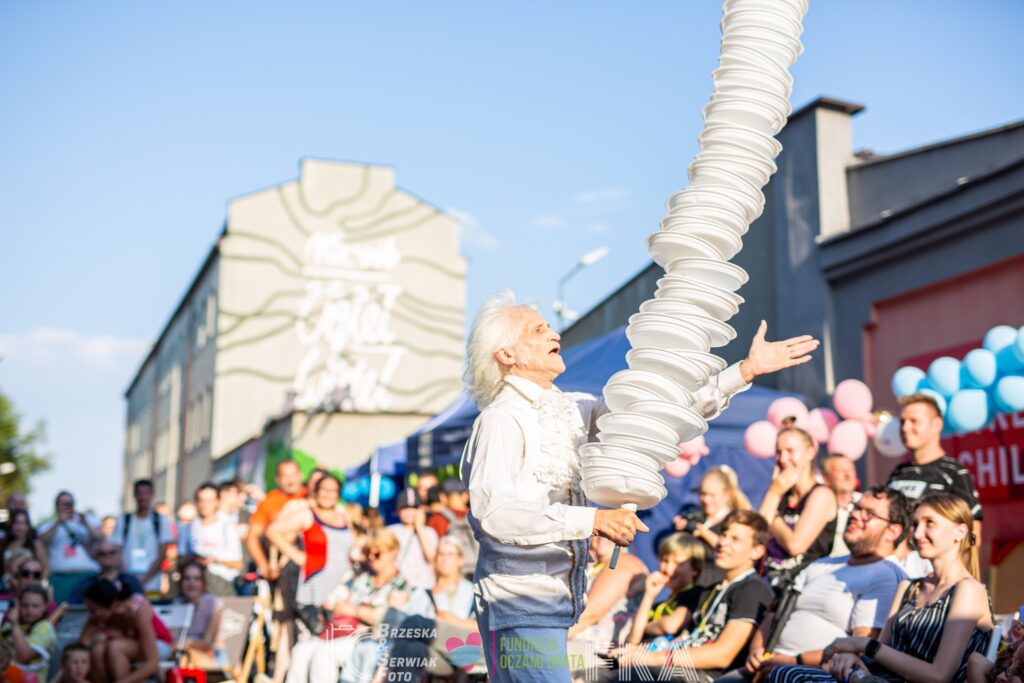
(527, 509)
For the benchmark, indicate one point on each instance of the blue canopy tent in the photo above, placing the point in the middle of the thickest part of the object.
(440, 441)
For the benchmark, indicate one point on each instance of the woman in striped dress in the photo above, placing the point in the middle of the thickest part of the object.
(935, 623)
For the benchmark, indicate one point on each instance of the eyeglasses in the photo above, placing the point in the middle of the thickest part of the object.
(29, 574)
(864, 512)
(107, 553)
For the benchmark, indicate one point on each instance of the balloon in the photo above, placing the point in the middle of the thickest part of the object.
(350, 492)
(1009, 394)
(939, 399)
(820, 422)
(870, 428)
(906, 381)
(363, 486)
(999, 337)
(759, 439)
(786, 407)
(852, 399)
(887, 439)
(387, 488)
(1018, 345)
(944, 375)
(677, 468)
(968, 410)
(978, 369)
(848, 438)
(694, 449)
(1007, 361)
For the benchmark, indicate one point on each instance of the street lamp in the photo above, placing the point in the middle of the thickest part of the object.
(588, 259)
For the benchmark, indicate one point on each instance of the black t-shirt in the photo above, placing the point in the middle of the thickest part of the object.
(944, 475)
(743, 600)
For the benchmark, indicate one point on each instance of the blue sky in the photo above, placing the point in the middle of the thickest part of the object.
(549, 128)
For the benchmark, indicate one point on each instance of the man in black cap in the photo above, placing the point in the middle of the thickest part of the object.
(418, 541)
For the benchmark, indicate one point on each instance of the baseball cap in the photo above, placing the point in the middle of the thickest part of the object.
(409, 498)
(453, 485)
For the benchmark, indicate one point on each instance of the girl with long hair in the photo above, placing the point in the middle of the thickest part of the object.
(720, 494)
(801, 513)
(21, 534)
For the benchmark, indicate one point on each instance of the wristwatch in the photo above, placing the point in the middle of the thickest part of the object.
(799, 658)
(871, 649)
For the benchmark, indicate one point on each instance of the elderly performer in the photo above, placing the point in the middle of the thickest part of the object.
(521, 467)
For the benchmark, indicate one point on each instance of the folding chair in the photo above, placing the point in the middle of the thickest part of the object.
(177, 619)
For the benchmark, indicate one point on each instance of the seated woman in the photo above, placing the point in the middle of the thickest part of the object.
(355, 606)
(21, 535)
(801, 513)
(202, 646)
(612, 598)
(29, 635)
(26, 571)
(682, 559)
(935, 623)
(122, 631)
(720, 494)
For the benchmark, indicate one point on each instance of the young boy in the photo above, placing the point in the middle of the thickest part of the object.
(728, 612)
(74, 664)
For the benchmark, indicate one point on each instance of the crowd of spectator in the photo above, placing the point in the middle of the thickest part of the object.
(822, 582)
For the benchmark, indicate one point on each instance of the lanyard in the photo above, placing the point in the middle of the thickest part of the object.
(716, 598)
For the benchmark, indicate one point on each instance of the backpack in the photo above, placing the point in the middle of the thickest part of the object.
(459, 528)
(128, 517)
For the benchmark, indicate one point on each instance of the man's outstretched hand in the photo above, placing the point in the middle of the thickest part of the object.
(766, 357)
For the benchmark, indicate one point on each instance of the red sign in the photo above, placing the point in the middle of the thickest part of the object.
(995, 457)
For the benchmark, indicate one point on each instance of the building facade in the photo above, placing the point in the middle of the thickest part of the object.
(328, 317)
(889, 260)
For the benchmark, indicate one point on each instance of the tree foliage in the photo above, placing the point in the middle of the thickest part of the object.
(22, 447)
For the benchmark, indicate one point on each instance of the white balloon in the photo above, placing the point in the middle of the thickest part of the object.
(887, 439)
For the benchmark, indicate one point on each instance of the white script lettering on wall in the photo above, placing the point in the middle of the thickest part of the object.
(344, 324)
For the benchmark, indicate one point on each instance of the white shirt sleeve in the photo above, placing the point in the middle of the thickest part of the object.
(118, 534)
(712, 398)
(511, 516)
(232, 549)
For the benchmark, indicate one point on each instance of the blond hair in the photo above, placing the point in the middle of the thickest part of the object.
(956, 510)
(684, 547)
(726, 476)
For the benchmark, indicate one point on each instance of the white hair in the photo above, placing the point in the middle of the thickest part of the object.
(493, 328)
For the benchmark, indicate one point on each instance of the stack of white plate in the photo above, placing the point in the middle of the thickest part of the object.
(674, 332)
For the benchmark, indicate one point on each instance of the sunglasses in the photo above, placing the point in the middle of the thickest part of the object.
(28, 574)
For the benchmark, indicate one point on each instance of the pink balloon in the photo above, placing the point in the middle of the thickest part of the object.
(677, 468)
(694, 448)
(852, 399)
(820, 423)
(782, 408)
(759, 439)
(849, 439)
(870, 428)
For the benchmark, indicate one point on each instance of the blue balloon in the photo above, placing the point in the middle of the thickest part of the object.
(979, 369)
(1018, 345)
(999, 337)
(944, 375)
(907, 381)
(350, 492)
(363, 485)
(968, 410)
(939, 399)
(1008, 363)
(387, 488)
(1009, 394)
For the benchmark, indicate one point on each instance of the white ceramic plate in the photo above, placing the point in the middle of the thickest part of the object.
(613, 492)
(677, 335)
(663, 386)
(704, 287)
(666, 247)
(750, 203)
(726, 241)
(728, 276)
(687, 422)
(684, 372)
(641, 425)
(663, 451)
(596, 452)
(743, 112)
(725, 136)
(716, 306)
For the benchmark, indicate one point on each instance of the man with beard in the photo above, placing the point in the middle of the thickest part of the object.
(840, 596)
